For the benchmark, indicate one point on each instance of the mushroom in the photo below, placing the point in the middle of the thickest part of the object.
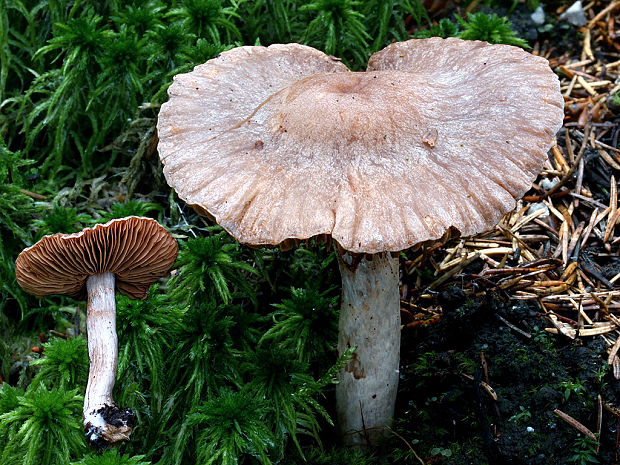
(128, 254)
(284, 143)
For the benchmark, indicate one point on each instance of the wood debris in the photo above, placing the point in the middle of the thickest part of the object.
(560, 247)
(575, 424)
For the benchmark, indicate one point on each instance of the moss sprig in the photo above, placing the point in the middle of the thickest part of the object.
(306, 323)
(231, 426)
(490, 28)
(211, 271)
(338, 28)
(208, 19)
(112, 457)
(44, 428)
(64, 363)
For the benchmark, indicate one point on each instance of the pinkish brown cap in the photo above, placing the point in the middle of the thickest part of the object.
(285, 143)
(137, 250)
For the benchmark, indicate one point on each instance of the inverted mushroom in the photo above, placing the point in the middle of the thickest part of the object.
(285, 143)
(128, 254)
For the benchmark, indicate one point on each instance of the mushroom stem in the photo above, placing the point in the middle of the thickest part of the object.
(104, 423)
(370, 321)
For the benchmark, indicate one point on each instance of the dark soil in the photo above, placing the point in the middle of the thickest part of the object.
(441, 399)
(114, 416)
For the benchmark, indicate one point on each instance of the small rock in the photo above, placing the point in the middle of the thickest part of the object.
(575, 14)
(538, 17)
(548, 184)
(538, 206)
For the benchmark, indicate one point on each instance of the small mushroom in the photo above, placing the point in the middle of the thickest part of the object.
(285, 143)
(127, 254)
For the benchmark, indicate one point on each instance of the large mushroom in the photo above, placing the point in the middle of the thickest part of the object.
(285, 143)
(127, 254)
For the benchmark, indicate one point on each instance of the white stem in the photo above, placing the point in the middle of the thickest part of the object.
(102, 342)
(103, 354)
(370, 321)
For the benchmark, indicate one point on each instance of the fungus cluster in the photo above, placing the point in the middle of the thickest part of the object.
(125, 255)
(284, 143)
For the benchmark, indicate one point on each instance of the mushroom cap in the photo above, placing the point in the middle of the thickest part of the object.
(285, 143)
(137, 250)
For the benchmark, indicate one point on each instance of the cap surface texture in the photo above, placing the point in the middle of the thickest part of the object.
(285, 143)
(137, 250)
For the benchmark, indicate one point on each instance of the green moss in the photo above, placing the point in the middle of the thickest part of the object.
(477, 26)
